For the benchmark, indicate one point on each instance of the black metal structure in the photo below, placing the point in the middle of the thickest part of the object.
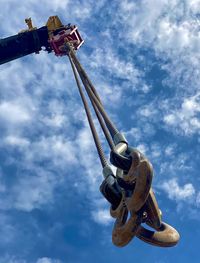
(23, 44)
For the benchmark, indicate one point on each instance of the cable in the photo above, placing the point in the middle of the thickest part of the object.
(89, 117)
(103, 126)
(94, 96)
(76, 62)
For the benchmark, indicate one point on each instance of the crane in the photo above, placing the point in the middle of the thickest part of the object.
(33, 40)
(129, 192)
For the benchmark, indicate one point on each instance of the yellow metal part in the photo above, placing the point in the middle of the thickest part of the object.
(30, 24)
(53, 23)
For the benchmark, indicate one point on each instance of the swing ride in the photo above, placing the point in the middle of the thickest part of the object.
(129, 192)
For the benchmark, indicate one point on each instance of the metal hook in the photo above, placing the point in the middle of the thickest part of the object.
(124, 230)
(143, 174)
(167, 236)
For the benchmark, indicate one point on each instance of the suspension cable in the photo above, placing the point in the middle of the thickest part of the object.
(102, 123)
(103, 126)
(84, 74)
(99, 117)
(89, 117)
(94, 96)
(111, 127)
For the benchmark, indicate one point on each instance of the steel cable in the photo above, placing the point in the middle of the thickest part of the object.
(89, 117)
(94, 96)
(103, 126)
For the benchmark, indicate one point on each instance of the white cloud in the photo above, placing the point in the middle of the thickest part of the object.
(14, 113)
(171, 30)
(142, 148)
(134, 133)
(32, 190)
(177, 192)
(55, 120)
(147, 111)
(146, 88)
(186, 118)
(57, 148)
(155, 151)
(194, 5)
(170, 150)
(16, 141)
(121, 68)
(102, 216)
(48, 260)
(159, 25)
(89, 160)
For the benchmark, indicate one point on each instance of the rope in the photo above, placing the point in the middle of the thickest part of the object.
(89, 117)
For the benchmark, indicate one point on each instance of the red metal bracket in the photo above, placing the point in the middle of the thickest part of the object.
(70, 35)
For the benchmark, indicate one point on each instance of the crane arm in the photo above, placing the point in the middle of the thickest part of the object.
(50, 37)
(23, 44)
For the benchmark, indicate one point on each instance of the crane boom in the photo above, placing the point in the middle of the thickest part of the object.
(23, 44)
(50, 37)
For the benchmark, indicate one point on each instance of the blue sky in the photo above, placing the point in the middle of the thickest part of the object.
(143, 57)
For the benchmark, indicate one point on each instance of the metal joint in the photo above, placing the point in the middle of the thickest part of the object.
(107, 171)
(119, 137)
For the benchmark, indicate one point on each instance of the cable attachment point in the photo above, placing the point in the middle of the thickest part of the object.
(119, 138)
(110, 188)
(107, 171)
(67, 48)
(138, 205)
(66, 34)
